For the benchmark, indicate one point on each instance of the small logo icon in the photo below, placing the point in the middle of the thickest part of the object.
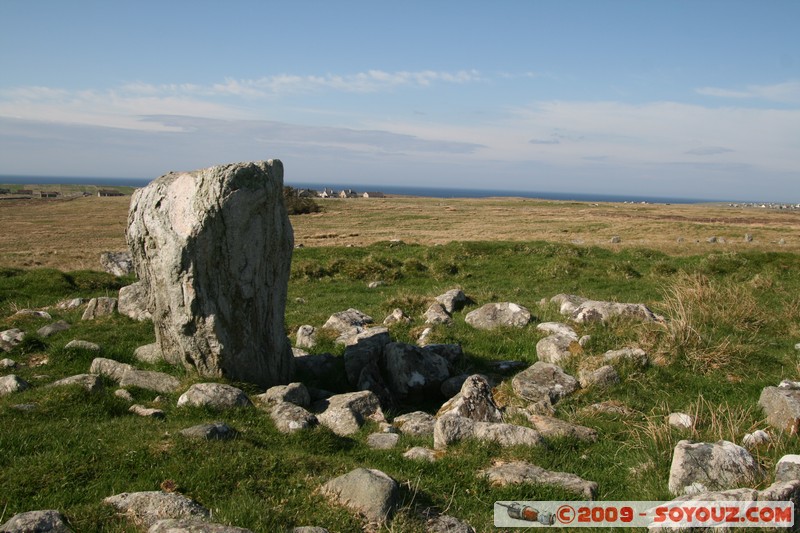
(518, 511)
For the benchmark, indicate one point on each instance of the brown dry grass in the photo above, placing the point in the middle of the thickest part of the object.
(70, 234)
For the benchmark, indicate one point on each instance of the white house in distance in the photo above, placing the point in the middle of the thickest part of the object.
(374, 194)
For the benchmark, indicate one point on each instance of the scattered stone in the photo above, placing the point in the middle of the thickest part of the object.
(109, 368)
(417, 423)
(557, 328)
(345, 321)
(424, 336)
(99, 307)
(544, 381)
(451, 428)
(150, 380)
(298, 352)
(193, 526)
(781, 242)
(797, 346)
(610, 407)
(24, 406)
(413, 371)
(420, 453)
(788, 468)
(452, 386)
(474, 401)
(10, 338)
(447, 524)
(720, 465)
(133, 302)
(123, 394)
(397, 317)
(711, 240)
(494, 315)
(615, 239)
(549, 428)
(376, 284)
(213, 247)
(594, 311)
(149, 353)
(12, 383)
(382, 441)
(147, 508)
(453, 353)
(636, 355)
(583, 341)
(73, 303)
(82, 345)
(290, 417)
(557, 349)
(436, 314)
(49, 521)
(147, 412)
(755, 439)
(31, 313)
(367, 491)
(52, 329)
(605, 376)
(366, 350)
(295, 393)
(370, 379)
(344, 414)
(782, 407)
(117, 263)
(789, 384)
(681, 420)
(567, 303)
(7, 363)
(306, 337)
(453, 300)
(215, 396)
(214, 431)
(90, 382)
(748, 237)
(521, 472)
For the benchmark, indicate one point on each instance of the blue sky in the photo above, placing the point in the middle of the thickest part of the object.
(681, 98)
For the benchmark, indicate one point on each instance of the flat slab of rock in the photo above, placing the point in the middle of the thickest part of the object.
(605, 376)
(557, 328)
(215, 396)
(146, 412)
(147, 508)
(596, 311)
(719, 465)
(133, 302)
(150, 380)
(82, 345)
(567, 303)
(90, 382)
(557, 348)
(450, 429)
(290, 417)
(417, 423)
(193, 526)
(12, 383)
(345, 321)
(495, 315)
(149, 353)
(344, 414)
(544, 381)
(73, 303)
(520, 472)
(213, 431)
(51, 329)
(419, 453)
(550, 428)
(32, 313)
(48, 521)
(637, 356)
(369, 492)
(109, 368)
(99, 307)
(295, 393)
(474, 400)
(782, 408)
(382, 441)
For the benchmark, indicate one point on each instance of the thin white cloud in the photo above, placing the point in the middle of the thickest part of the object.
(708, 150)
(785, 93)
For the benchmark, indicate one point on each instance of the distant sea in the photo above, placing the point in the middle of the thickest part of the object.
(431, 192)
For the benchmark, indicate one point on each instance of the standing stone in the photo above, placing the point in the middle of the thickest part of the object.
(214, 248)
(474, 401)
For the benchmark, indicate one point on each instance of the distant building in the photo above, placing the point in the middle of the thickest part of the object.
(49, 194)
(374, 194)
(307, 193)
(26, 192)
(348, 193)
(327, 193)
(108, 192)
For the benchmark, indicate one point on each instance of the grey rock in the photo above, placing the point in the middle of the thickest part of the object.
(594, 311)
(452, 386)
(605, 376)
(7, 363)
(295, 393)
(447, 524)
(494, 315)
(109, 368)
(49, 521)
(213, 431)
(146, 412)
(424, 336)
(474, 401)
(711, 240)
(32, 313)
(213, 247)
(147, 508)
(436, 314)
(364, 349)
(306, 337)
(451, 428)
(90, 382)
(134, 302)
(82, 345)
(420, 453)
(543, 381)
(24, 406)
(12, 383)
(635, 355)
(215, 396)
(100, 307)
(748, 237)
(549, 428)
(364, 336)
(782, 408)
(453, 353)
(756, 439)
(417, 423)
(344, 414)
(720, 465)
(557, 328)
(397, 317)
(117, 263)
(290, 417)
(583, 341)
(453, 300)
(73, 303)
(680, 420)
(369, 492)
(567, 303)
(610, 407)
(150, 380)
(318, 366)
(298, 352)
(370, 379)
(557, 349)
(10, 338)
(615, 239)
(521, 472)
(382, 441)
(124, 394)
(52, 329)
(375, 284)
(345, 321)
(172, 525)
(149, 353)
(788, 468)
(413, 371)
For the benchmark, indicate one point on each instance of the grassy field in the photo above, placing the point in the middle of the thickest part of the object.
(733, 315)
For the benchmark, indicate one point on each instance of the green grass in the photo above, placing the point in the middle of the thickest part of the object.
(76, 448)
